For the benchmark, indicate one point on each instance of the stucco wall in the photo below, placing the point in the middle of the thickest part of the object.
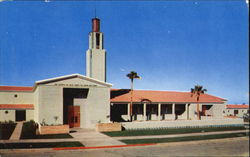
(29, 115)
(36, 106)
(218, 110)
(50, 104)
(96, 64)
(97, 108)
(192, 111)
(8, 97)
(6, 117)
(241, 112)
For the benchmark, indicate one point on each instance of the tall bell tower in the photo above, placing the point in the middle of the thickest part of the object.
(96, 54)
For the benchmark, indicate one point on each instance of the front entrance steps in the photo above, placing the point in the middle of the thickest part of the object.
(90, 137)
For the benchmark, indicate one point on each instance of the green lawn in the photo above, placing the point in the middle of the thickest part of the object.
(39, 145)
(170, 131)
(180, 139)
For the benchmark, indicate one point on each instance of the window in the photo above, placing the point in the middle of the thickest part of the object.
(15, 95)
(236, 112)
(97, 40)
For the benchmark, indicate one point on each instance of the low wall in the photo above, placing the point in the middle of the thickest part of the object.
(56, 129)
(107, 127)
(182, 123)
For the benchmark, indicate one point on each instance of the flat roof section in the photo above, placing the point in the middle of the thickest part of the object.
(16, 106)
(16, 88)
(238, 106)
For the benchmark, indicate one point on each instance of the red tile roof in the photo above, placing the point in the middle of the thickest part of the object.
(16, 88)
(16, 106)
(124, 95)
(238, 106)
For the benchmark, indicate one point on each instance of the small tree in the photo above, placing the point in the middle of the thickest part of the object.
(197, 91)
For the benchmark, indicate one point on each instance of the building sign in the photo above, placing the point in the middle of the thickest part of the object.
(75, 85)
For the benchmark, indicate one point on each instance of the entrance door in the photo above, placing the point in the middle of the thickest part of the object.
(20, 115)
(74, 116)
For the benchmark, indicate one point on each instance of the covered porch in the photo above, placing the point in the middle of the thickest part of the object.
(162, 106)
(120, 112)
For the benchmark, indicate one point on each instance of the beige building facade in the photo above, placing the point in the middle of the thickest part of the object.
(84, 101)
(163, 106)
(49, 101)
(237, 110)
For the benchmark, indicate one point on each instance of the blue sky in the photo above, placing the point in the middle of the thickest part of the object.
(173, 45)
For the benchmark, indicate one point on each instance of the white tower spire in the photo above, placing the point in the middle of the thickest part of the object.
(96, 54)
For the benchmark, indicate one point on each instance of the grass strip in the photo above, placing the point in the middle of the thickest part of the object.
(168, 131)
(39, 145)
(181, 139)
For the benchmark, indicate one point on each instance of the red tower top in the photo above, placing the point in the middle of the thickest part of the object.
(95, 25)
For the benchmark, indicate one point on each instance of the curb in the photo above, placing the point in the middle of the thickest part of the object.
(101, 147)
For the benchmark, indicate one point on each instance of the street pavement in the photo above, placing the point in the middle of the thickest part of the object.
(219, 147)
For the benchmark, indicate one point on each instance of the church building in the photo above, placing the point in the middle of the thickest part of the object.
(84, 101)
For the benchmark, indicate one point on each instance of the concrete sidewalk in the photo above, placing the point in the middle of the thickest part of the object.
(90, 137)
(17, 132)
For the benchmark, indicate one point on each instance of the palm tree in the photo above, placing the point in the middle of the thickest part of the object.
(132, 75)
(197, 91)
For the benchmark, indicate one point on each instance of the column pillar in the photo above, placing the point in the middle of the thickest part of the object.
(159, 111)
(129, 111)
(173, 110)
(187, 111)
(144, 111)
